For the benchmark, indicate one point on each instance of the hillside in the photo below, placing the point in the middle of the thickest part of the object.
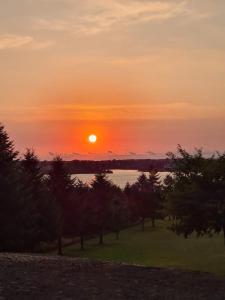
(50, 277)
(157, 247)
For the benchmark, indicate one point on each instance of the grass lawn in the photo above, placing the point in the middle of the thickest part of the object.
(158, 247)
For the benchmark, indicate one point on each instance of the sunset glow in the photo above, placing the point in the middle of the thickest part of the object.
(142, 76)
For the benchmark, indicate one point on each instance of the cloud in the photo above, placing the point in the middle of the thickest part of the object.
(76, 154)
(132, 153)
(150, 153)
(111, 152)
(99, 15)
(155, 111)
(65, 155)
(38, 45)
(12, 41)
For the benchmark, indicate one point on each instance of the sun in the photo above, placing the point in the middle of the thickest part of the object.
(92, 138)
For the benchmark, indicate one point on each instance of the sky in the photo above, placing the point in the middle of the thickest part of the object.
(143, 75)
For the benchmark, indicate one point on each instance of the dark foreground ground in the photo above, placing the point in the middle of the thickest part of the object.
(46, 277)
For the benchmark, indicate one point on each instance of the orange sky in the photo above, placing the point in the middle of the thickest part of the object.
(141, 75)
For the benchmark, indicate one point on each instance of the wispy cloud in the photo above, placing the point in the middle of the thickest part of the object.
(39, 45)
(11, 41)
(14, 41)
(132, 153)
(150, 153)
(103, 156)
(69, 155)
(110, 152)
(99, 16)
(160, 111)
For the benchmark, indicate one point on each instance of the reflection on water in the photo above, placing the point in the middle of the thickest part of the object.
(119, 177)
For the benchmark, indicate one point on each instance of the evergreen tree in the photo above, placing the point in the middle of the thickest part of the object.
(8, 154)
(142, 198)
(119, 215)
(8, 190)
(130, 192)
(145, 199)
(61, 188)
(44, 212)
(81, 212)
(155, 197)
(101, 195)
(16, 222)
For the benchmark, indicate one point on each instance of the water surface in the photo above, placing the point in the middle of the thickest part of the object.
(118, 177)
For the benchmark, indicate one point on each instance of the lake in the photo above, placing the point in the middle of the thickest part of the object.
(118, 177)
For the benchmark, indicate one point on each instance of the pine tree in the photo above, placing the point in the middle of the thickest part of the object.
(16, 224)
(155, 196)
(145, 198)
(142, 198)
(81, 213)
(101, 194)
(118, 208)
(61, 188)
(43, 210)
(8, 154)
(8, 190)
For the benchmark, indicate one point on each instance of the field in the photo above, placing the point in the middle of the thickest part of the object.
(158, 247)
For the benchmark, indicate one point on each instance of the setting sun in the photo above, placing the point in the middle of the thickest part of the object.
(92, 138)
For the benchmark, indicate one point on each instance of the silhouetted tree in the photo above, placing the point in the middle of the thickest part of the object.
(167, 188)
(119, 210)
(196, 193)
(218, 197)
(9, 191)
(142, 198)
(101, 197)
(61, 188)
(8, 154)
(44, 216)
(17, 215)
(155, 195)
(80, 213)
(145, 197)
(130, 192)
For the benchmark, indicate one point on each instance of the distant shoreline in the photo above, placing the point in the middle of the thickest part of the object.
(106, 166)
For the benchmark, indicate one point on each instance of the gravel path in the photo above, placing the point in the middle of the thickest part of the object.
(50, 277)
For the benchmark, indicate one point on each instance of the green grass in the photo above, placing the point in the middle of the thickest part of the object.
(158, 247)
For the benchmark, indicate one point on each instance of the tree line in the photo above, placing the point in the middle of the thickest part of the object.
(38, 208)
(92, 167)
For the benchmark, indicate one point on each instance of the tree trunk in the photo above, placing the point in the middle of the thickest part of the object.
(101, 237)
(60, 244)
(224, 234)
(60, 235)
(153, 222)
(117, 234)
(143, 224)
(82, 242)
